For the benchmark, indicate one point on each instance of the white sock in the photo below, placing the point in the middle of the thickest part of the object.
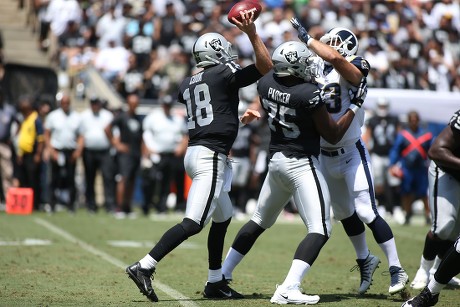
(426, 264)
(389, 248)
(360, 245)
(435, 265)
(148, 262)
(297, 272)
(435, 287)
(232, 259)
(215, 275)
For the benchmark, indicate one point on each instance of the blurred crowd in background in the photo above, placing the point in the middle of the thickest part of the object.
(142, 48)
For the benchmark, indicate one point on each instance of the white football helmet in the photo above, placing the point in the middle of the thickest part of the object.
(211, 49)
(293, 58)
(342, 40)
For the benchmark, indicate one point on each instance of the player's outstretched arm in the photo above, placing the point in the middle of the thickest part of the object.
(347, 70)
(263, 59)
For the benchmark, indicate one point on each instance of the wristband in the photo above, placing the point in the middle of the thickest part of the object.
(354, 108)
(309, 41)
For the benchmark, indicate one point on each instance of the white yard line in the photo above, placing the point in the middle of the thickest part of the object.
(182, 299)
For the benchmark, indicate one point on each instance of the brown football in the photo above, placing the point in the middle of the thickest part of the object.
(252, 6)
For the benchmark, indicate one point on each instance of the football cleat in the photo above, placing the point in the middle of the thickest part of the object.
(220, 290)
(421, 279)
(142, 278)
(367, 268)
(424, 299)
(399, 279)
(292, 294)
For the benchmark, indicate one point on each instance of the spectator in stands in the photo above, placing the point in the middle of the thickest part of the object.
(381, 131)
(59, 13)
(96, 154)
(7, 118)
(168, 28)
(127, 140)
(29, 148)
(61, 138)
(139, 35)
(41, 9)
(110, 27)
(69, 43)
(409, 161)
(175, 70)
(278, 25)
(165, 138)
(132, 81)
(112, 61)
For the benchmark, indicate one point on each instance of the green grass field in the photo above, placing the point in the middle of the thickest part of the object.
(79, 260)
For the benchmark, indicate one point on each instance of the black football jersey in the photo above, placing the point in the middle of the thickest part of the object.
(211, 98)
(289, 110)
(455, 126)
(384, 131)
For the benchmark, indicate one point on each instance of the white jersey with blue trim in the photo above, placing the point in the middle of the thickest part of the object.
(335, 93)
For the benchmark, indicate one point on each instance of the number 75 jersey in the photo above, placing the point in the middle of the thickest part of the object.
(335, 93)
(211, 97)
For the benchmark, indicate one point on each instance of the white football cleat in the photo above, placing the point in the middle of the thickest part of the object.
(291, 294)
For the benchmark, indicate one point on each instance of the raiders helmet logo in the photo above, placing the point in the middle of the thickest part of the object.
(291, 57)
(216, 44)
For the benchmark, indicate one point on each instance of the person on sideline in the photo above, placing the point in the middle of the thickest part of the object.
(211, 98)
(410, 150)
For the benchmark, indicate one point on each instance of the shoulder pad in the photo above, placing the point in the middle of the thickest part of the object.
(455, 121)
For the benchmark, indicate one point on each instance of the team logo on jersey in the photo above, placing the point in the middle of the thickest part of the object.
(364, 64)
(291, 57)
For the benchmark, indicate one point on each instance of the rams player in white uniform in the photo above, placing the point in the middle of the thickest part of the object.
(346, 165)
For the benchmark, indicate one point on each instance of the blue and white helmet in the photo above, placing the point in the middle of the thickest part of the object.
(342, 40)
(211, 49)
(293, 58)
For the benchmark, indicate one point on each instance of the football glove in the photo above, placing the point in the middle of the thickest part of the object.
(357, 96)
(302, 32)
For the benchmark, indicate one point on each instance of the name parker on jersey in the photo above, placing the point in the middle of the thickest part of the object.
(276, 95)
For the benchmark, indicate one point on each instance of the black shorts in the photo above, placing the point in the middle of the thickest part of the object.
(128, 165)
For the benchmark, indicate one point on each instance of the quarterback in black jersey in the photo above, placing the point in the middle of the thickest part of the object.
(297, 117)
(442, 239)
(211, 98)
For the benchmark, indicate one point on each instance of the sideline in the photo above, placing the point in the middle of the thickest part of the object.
(181, 299)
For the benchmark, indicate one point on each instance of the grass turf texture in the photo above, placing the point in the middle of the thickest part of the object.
(81, 268)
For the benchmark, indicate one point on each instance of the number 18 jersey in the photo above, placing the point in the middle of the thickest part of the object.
(211, 98)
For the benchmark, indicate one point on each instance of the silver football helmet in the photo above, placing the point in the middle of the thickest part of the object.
(342, 40)
(293, 58)
(211, 49)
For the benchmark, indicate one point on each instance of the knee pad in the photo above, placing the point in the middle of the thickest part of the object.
(353, 225)
(190, 227)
